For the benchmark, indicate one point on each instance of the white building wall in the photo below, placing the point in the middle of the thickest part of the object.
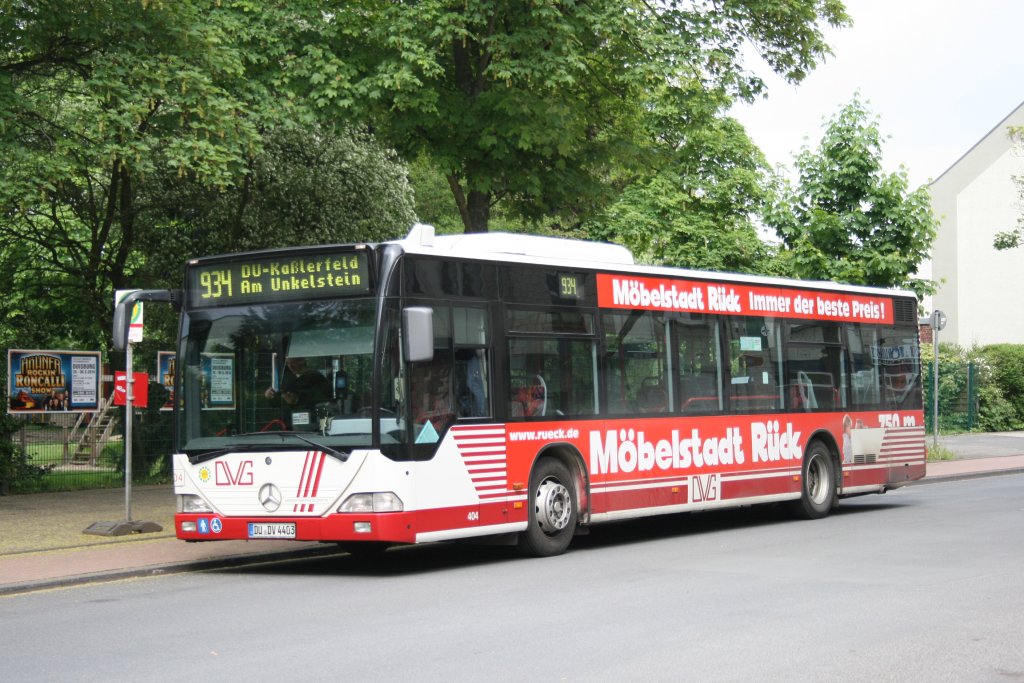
(991, 305)
(980, 288)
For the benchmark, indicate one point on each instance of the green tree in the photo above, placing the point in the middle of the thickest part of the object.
(846, 219)
(105, 107)
(308, 185)
(696, 210)
(96, 96)
(532, 103)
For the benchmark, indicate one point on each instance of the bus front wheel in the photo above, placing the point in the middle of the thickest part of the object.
(817, 483)
(553, 511)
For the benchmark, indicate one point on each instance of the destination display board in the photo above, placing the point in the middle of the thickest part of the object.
(281, 278)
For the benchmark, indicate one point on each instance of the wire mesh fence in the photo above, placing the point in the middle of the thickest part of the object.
(69, 451)
(959, 390)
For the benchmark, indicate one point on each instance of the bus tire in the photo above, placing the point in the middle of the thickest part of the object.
(552, 509)
(817, 483)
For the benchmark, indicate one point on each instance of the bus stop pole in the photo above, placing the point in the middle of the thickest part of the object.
(126, 525)
(935, 388)
(129, 382)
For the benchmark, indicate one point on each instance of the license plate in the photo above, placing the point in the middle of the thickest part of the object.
(276, 530)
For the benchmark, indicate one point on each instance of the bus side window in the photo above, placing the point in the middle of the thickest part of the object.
(635, 362)
(430, 382)
(753, 364)
(552, 367)
(550, 377)
(814, 367)
(699, 364)
(472, 368)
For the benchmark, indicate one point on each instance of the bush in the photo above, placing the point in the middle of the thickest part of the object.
(17, 473)
(979, 388)
(1006, 363)
(995, 412)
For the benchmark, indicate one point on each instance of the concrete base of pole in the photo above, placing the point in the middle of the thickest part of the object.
(122, 528)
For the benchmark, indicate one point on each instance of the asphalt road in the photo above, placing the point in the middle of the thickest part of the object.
(923, 583)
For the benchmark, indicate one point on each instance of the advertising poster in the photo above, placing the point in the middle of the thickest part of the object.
(52, 381)
(165, 368)
(217, 381)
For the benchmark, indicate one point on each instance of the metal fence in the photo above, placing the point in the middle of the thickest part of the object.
(959, 389)
(68, 451)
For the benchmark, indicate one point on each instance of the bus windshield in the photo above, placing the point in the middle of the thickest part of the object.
(278, 374)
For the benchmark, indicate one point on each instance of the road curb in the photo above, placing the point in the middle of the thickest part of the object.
(965, 475)
(226, 562)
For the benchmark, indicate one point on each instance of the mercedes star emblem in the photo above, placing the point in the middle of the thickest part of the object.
(270, 497)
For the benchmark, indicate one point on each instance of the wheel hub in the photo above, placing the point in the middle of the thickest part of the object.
(554, 506)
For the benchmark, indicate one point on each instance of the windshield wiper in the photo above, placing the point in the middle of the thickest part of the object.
(210, 455)
(340, 455)
(217, 452)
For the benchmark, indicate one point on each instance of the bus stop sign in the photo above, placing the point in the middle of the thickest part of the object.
(140, 389)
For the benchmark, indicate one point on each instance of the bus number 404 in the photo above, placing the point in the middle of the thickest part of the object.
(703, 488)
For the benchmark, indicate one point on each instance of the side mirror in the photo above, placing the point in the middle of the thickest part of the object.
(418, 333)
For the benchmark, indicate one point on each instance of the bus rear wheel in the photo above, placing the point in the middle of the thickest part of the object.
(817, 483)
(553, 511)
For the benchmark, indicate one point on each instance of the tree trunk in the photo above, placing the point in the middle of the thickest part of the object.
(474, 210)
(478, 211)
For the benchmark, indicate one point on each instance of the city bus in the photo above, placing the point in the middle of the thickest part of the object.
(523, 388)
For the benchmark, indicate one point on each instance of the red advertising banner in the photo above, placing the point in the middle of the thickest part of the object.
(140, 389)
(670, 294)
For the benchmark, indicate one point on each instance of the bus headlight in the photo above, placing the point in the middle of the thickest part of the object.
(372, 502)
(190, 503)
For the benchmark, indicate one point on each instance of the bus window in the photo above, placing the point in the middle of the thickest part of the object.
(862, 342)
(635, 362)
(814, 367)
(754, 363)
(471, 373)
(885, 373)
(899, 359)
(699, 363)
(550, 377)
(430, 384)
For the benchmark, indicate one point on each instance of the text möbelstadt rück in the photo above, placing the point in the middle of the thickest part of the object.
(631, 450)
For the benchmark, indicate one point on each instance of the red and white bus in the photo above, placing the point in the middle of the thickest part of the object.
(526, 387)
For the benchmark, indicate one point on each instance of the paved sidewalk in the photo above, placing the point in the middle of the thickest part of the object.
(42, 543)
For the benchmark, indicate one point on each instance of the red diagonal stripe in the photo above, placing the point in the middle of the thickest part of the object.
(309, 476)
(316, 483)
(302, 479)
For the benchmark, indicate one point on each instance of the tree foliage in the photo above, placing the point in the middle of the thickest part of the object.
(307, 185)
(696, 211)
(532, 102)
(846, 219)
(109, 109)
